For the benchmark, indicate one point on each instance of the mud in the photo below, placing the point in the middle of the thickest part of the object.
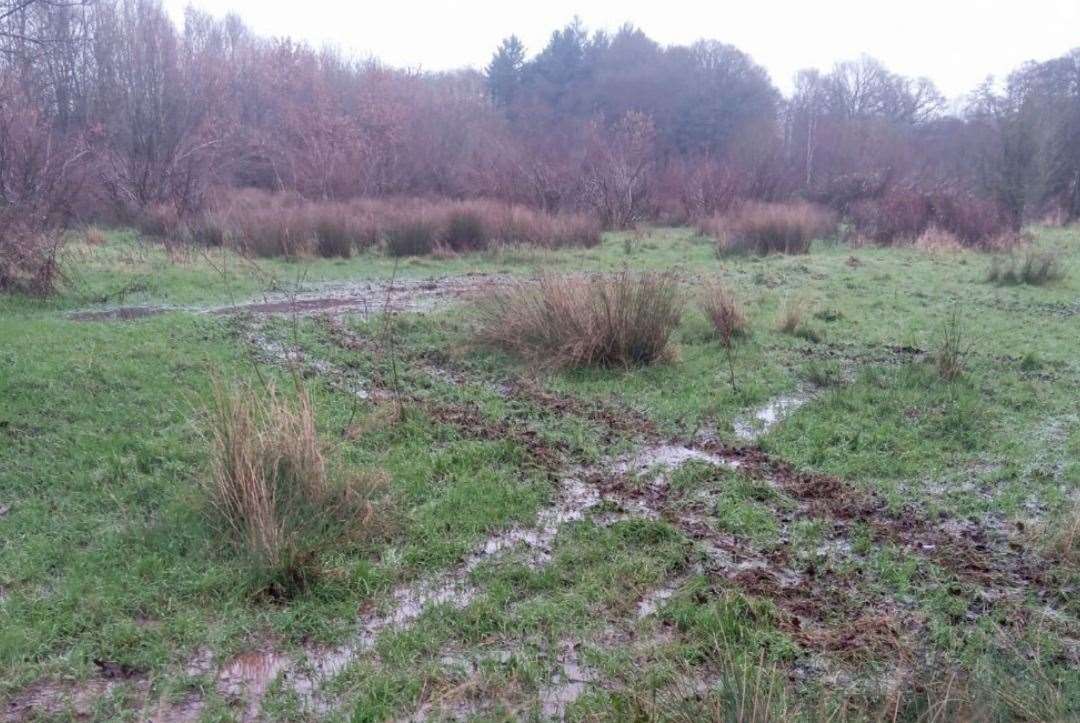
(362, 298)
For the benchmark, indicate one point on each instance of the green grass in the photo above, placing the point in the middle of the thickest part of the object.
(107, 551)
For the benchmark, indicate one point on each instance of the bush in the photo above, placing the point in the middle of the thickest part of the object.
(765, 228)
(466, 230)
(30, 260)
(623, 319)
(281, 504)
(412, 238)
(905, 214)
(1034, 268)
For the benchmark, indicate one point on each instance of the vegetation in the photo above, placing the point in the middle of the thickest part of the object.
(763, 228)
(1034, 267)
(574, 321)
(863, 500)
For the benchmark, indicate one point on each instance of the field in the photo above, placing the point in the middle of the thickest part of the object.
(811, 523)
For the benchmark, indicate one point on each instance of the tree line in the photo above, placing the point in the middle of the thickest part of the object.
(109, 108)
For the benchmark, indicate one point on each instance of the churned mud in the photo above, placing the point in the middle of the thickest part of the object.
(363, 298)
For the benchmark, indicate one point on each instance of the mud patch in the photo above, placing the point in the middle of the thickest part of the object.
(123, 313)
(366, 298)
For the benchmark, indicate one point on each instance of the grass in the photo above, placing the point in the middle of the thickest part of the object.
(626, 319)
(108, 552)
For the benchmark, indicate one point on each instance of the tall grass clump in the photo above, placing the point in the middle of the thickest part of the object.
(280, 501)
(727, 318)
(623, 319)
(263, 224)
(1034, 268)
(765, 228)
(953, 348)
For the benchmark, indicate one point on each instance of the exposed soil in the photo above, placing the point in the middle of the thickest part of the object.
(362, 298)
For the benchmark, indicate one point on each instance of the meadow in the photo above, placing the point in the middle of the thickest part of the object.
(859, 502)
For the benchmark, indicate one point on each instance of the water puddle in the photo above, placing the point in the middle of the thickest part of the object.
(570, 681)
(757, 425)
(668, 457)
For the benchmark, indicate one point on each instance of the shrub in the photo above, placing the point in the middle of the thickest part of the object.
(904, 214)
(281, 503)
(576, 321)
(466, 230)
(1034, 268)
(415, 237)
(723, 311)
(765, 228)
(30, 260)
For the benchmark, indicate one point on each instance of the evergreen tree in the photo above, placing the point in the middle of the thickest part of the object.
(503, 73)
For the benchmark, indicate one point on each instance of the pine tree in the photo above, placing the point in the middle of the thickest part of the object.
(503, 73)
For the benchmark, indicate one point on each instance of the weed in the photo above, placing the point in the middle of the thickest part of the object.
(791, 316)
(574, 321)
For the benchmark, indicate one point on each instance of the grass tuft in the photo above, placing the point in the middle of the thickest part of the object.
(1034, 268)
(624, 319)
(765, 228)
(282, 505)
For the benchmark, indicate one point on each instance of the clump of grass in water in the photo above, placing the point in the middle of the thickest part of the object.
(280, 501)
(625, 319)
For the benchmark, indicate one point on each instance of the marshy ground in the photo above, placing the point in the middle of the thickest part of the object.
(843, 534)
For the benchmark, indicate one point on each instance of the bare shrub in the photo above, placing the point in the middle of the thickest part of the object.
(764, 228)
(282, 503)
(1034, 268)
(623, 319)
(904, 214)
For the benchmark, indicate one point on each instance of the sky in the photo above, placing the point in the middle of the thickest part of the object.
(956, 43)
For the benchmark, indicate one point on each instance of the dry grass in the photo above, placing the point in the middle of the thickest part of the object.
(281, 503)
(723, 311)
(935, 240)
(764, 228)
(94, 236)
(1064, 536)
(270, 225)
(1034, 268)
(790, 317)
(622, 319)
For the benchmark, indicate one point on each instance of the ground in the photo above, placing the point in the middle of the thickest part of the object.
(844, 534)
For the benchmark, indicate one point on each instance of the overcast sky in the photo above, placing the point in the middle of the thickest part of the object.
(957, 43)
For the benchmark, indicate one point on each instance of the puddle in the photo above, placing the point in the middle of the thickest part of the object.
(575, 498)
(668, 457)
(570, 681)
(248, 677)
(767, 417)
(654, 600)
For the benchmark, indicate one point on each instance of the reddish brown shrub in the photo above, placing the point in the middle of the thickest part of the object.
(764, 228)
(904, 214)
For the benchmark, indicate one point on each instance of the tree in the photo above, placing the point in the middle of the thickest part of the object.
(503, 73)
